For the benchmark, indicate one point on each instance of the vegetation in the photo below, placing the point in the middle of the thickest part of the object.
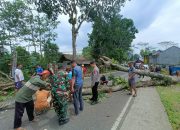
(78, 11)
(10, 94)
(20, 23)
(118, 81)
(87, 52)
(21, 27)
(112, 37)
(170, 97)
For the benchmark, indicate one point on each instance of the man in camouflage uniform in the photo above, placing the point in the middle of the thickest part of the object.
(60, 86)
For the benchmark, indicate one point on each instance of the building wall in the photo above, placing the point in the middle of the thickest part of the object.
(171, 56)
(152, 59)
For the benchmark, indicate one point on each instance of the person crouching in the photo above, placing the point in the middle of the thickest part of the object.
(23, 98)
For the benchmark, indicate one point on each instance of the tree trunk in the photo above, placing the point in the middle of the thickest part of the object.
(74, 36)
(40, 45)
(107, 61)
(34, 47)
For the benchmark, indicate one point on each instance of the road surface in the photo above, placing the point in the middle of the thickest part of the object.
(97, 117)
(94, 117)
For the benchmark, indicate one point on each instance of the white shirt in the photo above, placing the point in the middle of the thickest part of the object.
(19, 73)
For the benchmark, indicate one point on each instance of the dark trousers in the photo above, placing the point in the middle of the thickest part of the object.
(19, 110)
(78, 100)
(95, 92)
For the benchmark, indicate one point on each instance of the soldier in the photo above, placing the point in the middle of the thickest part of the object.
(60, 86)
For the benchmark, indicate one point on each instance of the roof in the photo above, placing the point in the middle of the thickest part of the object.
(171, 48)
(79, 59)
(156, 53)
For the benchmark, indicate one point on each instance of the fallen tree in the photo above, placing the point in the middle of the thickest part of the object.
(170, 79)
(105, 89)
(6, 84)
(5, 75)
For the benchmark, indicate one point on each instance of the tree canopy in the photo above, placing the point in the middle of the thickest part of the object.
(112, 37)
(78, 11)
(21, 23)
(51, 52)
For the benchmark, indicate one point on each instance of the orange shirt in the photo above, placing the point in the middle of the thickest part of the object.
(41, 102)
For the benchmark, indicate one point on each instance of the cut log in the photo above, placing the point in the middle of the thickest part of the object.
(7, 88)
(6, 76)
(105, 89)
(5, 85)
(107, 61)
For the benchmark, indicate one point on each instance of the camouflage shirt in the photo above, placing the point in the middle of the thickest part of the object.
(59, 83)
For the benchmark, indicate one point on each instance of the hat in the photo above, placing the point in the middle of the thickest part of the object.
(45, 72)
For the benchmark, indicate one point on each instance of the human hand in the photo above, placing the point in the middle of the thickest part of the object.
(72, 90)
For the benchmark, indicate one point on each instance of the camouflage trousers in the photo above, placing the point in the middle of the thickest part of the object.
(60, 105)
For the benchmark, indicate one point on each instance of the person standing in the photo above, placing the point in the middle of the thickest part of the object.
(76, 87)
(94, 82)
(23, 98)
(19, 77)
(131, 79)
(39, 69)
(60, 85)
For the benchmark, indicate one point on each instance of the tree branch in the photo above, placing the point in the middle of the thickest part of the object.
(80, 23)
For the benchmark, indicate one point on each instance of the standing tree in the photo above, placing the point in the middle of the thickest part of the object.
(12, 22)
(23, 56)
(41, 29)
(45, 31)
(87, 52)
(112, 37)
(78, 11)
(51, 52)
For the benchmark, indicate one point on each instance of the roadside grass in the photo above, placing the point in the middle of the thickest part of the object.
(10, 93)
(170, 97)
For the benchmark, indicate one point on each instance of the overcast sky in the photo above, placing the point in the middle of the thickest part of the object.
(156, 20)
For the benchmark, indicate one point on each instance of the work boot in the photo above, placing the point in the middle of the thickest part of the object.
(91, 99)
(62, 122)
(94, 102)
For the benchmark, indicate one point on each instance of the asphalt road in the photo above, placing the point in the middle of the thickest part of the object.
(97, 117)
(94, 117)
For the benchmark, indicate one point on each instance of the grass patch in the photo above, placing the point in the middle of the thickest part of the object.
(10, 93)
(170, 97)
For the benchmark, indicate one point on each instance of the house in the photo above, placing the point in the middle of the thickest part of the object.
(170, 56)
(67, 58)
(153, 57)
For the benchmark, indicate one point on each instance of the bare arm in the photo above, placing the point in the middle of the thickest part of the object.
(132, 75)
(72, 84)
